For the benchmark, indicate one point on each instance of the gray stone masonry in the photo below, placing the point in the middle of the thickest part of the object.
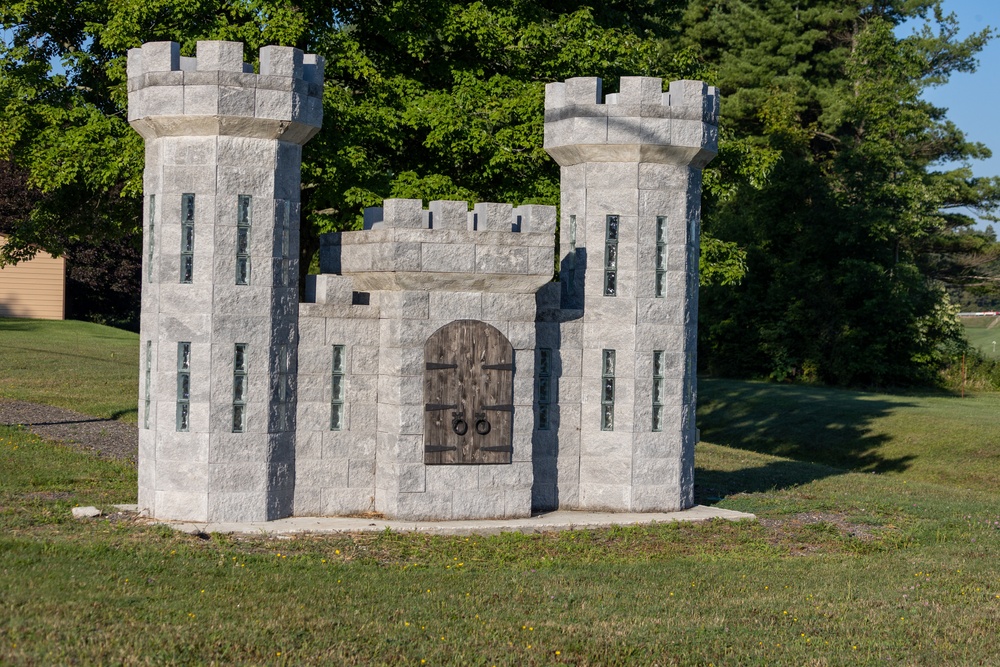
(217, 134)
(423, 269)
(254, 407)
(635, 158)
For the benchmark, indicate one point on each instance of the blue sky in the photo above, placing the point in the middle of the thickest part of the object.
(973, 99)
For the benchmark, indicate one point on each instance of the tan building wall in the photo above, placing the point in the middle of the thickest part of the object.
(36, 288)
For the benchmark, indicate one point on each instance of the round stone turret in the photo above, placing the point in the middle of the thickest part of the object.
(630, 205)
(219, 326)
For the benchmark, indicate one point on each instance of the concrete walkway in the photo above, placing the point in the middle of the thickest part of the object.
(551, 521)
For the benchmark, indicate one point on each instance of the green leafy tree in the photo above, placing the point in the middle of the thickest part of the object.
(827, 99)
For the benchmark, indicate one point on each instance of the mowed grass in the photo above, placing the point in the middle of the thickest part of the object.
(862, 555)
(80, 366)
(983, 333)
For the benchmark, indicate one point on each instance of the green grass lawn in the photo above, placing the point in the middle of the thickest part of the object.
(77, 365)
(980, 334)
(878, 542)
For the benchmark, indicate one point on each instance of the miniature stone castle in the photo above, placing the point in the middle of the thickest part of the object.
(435, 371)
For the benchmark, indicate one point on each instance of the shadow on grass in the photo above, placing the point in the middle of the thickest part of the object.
(711, 486)
(812, 425)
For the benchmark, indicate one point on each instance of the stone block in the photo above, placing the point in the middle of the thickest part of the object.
(308, 502)
(451, 478)
(493, 217)
(237, 507)
(186, 476)
(162, 101)
(347, 502)
(501, 260)
(643, 90)
(456, 305)
(510, 307)
(284, 61)
(261, 154)
(237, 477)
(514, 476)
(403, 214)
(361, 474)
(412, 478)
(449, 214)
(406, 305)
(477, 504)
(427, 506)
(624, 130)
(160, 57)
(579, 90)
(219, 55)
(448, 258)
(322, 473)
(606, 498)
(516, 504)
(180, 505)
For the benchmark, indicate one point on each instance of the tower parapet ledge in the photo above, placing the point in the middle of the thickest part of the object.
(639, 124)
(493, 248)
(216, 93)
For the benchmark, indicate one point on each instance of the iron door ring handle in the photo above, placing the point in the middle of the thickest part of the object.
(460, 426)
(483, 427)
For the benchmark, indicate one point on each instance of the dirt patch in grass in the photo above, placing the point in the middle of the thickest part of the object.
(830, 523)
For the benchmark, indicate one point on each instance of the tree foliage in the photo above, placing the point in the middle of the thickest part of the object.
(829, 225)
(825, 94)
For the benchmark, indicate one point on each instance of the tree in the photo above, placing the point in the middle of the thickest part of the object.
(829, 98)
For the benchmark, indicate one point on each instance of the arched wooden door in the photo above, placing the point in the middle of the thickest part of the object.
(468, 395)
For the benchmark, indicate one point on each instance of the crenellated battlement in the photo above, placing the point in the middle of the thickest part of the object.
(286, 97)
(640, 123)
(494, 247)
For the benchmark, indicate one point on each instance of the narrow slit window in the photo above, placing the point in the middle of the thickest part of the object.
(183, 386)
(151, 243)
(187, 238)
(608, 390)
(147, 393)
(658, 386)
(338, 390)
(611, 256)
(240, 388)
(544, 387)
(243, 208)
(661, 257)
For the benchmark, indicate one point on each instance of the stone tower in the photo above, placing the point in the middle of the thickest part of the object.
(631, 204)
(219, 298)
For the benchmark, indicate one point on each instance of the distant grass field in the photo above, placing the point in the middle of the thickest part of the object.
(878, 543)
(982, 333)
(81, 366)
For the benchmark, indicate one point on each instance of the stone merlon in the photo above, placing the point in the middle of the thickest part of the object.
(641, 123)
(216, 93)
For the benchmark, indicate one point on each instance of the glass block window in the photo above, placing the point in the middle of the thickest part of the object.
(243, 209)
(187, 238)
(658, 387)
(544, 387)
(183, 386)
(150, 243)
(338, 389)
(282, 388)
(240, 381)
(283, 230)
(608, 390)
(660, 288)
(611, 256)
(147, 392)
